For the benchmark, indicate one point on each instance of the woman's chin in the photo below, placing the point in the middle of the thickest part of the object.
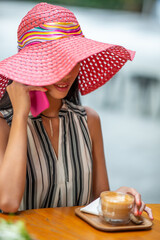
(58, 96)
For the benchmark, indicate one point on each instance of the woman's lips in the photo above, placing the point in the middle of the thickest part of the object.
(61, 87)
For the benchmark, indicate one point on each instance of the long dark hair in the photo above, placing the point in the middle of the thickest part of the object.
(72, 96)
(5, 102)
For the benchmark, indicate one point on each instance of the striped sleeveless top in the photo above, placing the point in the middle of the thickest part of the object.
(62, 181)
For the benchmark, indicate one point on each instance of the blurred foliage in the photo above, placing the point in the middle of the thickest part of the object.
(128, 5)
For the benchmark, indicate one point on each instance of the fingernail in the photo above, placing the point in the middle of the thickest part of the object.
(140, 213)
(136, 213)
(46, 89)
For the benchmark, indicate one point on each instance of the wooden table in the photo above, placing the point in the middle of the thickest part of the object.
(62, 223)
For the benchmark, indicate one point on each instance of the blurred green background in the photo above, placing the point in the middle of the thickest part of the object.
(127, 5)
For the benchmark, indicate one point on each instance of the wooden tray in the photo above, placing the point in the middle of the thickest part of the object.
(99, 224)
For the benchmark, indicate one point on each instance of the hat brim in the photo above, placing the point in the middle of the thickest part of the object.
(48, 62)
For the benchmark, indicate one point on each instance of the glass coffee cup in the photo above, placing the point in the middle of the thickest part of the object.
(116, 207)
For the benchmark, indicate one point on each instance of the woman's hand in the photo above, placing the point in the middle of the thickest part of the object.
(20, 99)
(139, 206)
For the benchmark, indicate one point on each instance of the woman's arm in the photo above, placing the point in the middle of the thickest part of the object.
(13, 156)
(100, 178)
(13, 152)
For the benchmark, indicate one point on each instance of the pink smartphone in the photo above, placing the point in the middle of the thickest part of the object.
(39, 102)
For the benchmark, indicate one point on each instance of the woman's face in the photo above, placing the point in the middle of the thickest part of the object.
(60, 89)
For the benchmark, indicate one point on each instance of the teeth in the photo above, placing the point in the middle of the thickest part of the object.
(62, 86)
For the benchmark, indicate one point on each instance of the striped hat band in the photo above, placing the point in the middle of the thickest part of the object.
(48, 32)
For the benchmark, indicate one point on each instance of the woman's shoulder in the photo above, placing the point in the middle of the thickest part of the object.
(75, 108)
(93, 121)
(92, 115)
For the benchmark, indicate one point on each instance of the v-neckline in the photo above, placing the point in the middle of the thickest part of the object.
(59, 141)
(50, 142)
(63, 110)
(57, 156)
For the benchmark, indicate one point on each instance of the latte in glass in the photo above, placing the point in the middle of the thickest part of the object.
(116, 207)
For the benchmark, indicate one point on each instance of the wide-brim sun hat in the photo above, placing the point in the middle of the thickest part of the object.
(51, 43)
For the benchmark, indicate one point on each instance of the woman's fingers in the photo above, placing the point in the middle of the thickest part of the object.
(20, 98)
(27, 88)
(139, 205)
(34, 88)
(146, 209)
(139, 209)
(138, 201)
(133, 192)
(135, 210)
(137, 197)
(143, 207)
(149, 212)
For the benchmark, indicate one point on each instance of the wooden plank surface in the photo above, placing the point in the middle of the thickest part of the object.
(62, 223)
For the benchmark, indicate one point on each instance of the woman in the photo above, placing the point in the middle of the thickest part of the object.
(56, 158)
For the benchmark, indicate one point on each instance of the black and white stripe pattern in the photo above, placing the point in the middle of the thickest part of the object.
(7, 114)
(66, 181)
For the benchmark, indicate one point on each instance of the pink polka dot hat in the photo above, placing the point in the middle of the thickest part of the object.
(51, 43)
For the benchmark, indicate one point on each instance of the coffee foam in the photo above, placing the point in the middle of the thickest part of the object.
(117, 197)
